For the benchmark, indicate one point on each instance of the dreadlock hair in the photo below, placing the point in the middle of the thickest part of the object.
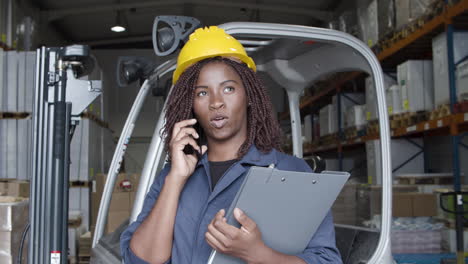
(263, 128)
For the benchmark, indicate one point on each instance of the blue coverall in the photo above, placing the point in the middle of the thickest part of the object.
(198, 205)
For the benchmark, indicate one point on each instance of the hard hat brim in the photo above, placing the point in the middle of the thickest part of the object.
(181, 68)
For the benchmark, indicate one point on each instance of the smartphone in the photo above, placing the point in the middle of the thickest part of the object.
(188, 149)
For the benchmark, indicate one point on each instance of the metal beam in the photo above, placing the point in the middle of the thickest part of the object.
(117, 40)
(52, 15)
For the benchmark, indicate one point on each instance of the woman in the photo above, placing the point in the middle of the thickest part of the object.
(217, 100)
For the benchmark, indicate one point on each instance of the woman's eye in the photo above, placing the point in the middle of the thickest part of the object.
(228, 89)
(202, 93)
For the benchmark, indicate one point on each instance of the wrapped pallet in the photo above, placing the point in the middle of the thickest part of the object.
(356, 116)
(415, 78)
(462, 81)
(376, 18)
(13, 220)
(440, 59)
(393, 98)
(326, 119)
(371, 97)
(346, 100)
(407, 11)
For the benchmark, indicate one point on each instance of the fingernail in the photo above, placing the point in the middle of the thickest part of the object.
(237, 212)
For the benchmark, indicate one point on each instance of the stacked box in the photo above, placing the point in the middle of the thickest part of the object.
(369, 200)
(415, 78)
(462, 81)
(356, 116)
(371, 96)
(74, 234)
(416, 241)
(13, 220)
(449, 240)
(440, 59)
(393, 99)
(406, 11)
(123, 196)
(308, 130)
(347, 100)
(345, 207)
(16, 148)
(14, 188)
(326, 119)
(376, 18)
(10, 82)
(91, 150)
(8, 21)
(401, 151)
(79, 200)
(84, 248)
(348, 22)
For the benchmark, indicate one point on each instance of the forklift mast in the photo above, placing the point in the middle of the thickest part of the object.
(60, 98)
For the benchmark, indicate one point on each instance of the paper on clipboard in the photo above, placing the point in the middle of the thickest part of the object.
(287, 207)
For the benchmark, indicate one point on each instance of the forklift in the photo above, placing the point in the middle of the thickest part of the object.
(290, 57)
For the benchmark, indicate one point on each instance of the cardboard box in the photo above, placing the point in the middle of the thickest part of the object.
(115, 219)
(13, 219)
(424, 204)
(402, 205)
(369, 201)
(14, 188)
(120, 202)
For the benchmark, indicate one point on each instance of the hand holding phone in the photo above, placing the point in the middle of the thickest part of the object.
(184, 148)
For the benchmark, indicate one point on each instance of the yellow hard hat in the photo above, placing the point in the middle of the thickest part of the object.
(207, 43)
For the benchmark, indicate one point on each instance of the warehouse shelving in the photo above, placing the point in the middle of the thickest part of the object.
(411, 42)
(415, 45)
(451, 124)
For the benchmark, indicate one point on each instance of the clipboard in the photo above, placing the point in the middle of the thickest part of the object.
(287, 207)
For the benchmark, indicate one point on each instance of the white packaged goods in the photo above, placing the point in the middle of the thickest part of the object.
(13, 220)
(439, 56)
(2, 66)
(368, 21)
(10, 84)
(74, 234)
(26, 76)
(356, 116)
(326, 120)
(462, 81)
(449, 240)
(17, 81)
(307, 128)
(393, 98)
(371, 97)
(79, 200)
(15, 148)
(90, 150)
(415, 78)
(406, 11)
(401, 150)
(386, 17)
(348, 22)
(376, 18)
(347, 100)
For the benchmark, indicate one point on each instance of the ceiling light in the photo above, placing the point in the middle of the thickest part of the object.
(118, 27)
